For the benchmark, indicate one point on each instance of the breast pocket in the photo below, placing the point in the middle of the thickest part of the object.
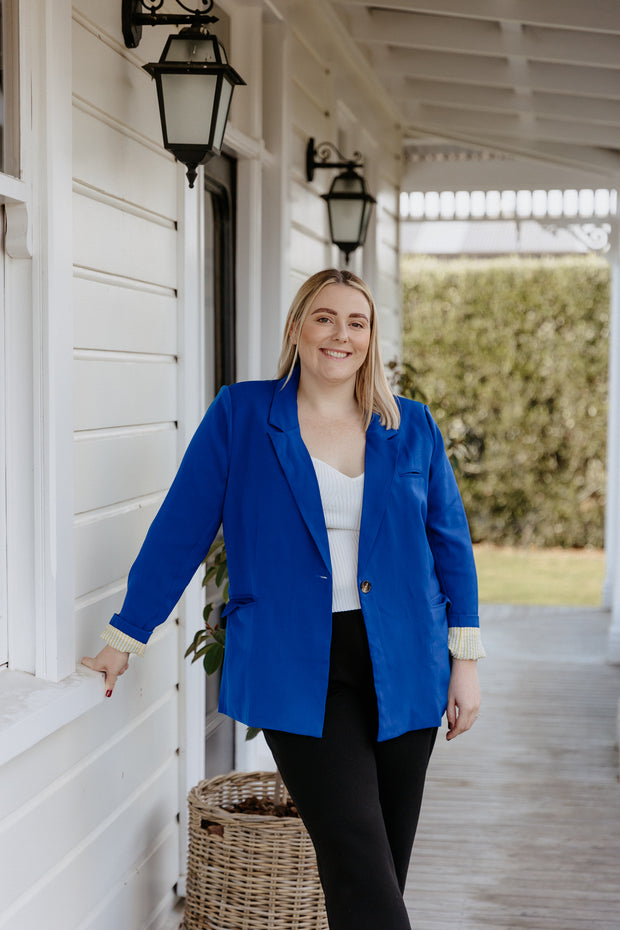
(411, 469)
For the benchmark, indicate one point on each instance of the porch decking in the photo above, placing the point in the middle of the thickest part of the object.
(520, 828)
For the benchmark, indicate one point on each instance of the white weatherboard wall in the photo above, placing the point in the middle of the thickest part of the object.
(89, 815)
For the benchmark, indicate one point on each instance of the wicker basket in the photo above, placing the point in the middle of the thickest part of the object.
(260, 874)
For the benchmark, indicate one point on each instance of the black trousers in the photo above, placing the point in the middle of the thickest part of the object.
(359, 798)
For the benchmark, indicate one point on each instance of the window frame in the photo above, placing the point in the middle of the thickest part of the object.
(38, 409)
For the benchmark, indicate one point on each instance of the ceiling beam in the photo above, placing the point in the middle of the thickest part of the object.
(604, 162)
(449, 34)
(484, 71)
(504, 100)
(594, 16)
(494, 174)
(514, 125)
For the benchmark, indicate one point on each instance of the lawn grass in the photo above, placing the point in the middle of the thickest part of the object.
(566, 577)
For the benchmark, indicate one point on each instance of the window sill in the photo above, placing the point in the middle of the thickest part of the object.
(12, 190)
(31, 709)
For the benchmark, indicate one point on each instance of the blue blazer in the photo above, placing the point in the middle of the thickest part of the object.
(248, 469)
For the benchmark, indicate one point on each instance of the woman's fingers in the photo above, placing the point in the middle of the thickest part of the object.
(111, 663)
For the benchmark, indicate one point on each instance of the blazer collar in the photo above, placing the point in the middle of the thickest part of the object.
(380, 465)
(295, 461)
(283, 410)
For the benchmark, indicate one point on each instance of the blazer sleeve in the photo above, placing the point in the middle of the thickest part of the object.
(183, 529)
(448, 535)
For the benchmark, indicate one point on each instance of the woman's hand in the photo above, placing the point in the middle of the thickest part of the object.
(111, 662)
(463, 696)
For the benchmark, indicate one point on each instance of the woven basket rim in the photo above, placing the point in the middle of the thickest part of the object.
(219, 814)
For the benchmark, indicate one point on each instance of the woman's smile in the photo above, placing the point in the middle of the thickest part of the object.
(334, 353)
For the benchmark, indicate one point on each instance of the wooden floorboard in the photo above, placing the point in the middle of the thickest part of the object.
(520, 828)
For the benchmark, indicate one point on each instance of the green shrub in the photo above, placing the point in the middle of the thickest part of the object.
(511, 355)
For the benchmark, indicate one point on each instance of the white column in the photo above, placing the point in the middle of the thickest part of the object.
(611, 590)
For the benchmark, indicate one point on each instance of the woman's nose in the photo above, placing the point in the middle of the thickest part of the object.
(341, 331)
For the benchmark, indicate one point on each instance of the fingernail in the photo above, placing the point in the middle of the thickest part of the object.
(108, 694)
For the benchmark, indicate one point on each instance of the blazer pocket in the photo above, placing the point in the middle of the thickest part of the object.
(240, 601)
(411, 472)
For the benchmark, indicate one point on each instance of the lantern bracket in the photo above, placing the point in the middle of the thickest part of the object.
(133, 18)
(318, 157)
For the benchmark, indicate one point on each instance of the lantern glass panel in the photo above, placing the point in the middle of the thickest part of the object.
(222, 113)
(188, 103)
(365, 221)
(189, 49)
(345, 219)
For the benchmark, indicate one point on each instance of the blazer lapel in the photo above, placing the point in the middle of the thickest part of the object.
(296, 463)
(381, 453)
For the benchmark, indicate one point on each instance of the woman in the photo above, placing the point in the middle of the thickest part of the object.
(352, 620)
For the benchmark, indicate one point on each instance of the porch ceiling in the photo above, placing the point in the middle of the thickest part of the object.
(535, 80)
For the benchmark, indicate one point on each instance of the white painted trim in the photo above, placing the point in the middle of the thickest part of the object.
(50, 30)
(32, 708)
(12, 190)
(276, 206)
(611, 588)
(249, 227)
(39, 380)
(4, 644)
(191, 380)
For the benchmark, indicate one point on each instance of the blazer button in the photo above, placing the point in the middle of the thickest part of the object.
(365, 586)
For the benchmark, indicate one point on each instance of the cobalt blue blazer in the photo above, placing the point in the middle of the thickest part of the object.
(248, 469)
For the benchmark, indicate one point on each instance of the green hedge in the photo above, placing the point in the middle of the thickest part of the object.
(511, 355)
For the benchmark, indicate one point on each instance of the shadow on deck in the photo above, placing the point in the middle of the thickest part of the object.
(520, 827)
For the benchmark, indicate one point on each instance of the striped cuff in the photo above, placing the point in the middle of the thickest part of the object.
(122, 642)
(464, 642)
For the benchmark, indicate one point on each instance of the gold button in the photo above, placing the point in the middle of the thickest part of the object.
(365, 586)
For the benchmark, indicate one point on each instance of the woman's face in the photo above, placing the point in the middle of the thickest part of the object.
(335, 336)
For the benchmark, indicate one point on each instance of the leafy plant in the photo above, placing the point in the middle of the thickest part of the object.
(209, 642)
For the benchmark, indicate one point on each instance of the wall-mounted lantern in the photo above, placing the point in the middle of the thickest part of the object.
(349, 204)
(193, 78)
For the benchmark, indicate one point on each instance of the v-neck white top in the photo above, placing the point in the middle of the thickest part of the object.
(341, 497)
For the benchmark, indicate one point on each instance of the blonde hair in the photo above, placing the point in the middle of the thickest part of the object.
(372, 390)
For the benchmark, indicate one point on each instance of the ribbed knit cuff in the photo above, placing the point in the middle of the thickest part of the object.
(464, 642)
(122, 642)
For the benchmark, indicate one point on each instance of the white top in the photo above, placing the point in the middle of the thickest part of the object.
(341, 497)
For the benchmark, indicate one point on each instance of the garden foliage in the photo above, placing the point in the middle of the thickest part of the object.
(511, 356)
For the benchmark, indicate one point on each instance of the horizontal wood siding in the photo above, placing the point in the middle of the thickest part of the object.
(90, 812)
(126, 452)
(90, 836)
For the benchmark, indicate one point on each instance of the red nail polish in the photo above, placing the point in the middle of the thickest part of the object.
(108, 694)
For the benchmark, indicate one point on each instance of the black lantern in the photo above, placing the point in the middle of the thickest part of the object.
(194, 83)
(349, 204)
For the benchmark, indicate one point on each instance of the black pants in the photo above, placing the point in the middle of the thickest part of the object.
(359, 798)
